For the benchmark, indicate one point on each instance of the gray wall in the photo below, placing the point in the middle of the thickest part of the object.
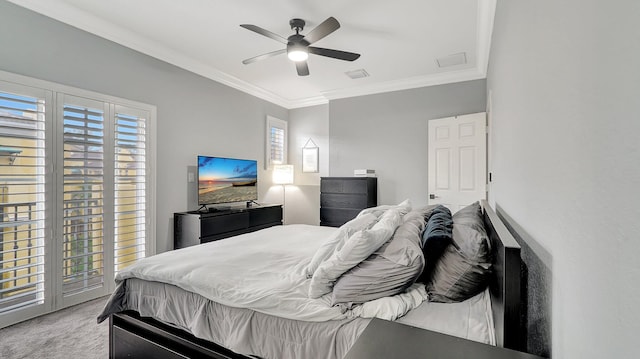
(195, 115)
(564, 86)
(388, 133)
(303, 199)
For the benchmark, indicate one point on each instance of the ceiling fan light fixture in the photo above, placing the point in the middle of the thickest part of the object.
(297, 53)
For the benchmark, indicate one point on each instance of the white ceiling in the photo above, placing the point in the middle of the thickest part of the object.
(399, 40)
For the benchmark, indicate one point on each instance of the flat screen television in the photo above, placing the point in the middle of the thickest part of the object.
(226, 180)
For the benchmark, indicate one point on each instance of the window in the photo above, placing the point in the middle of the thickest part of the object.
(130, 174)
(22, 198)
(83, 194)
(276, 151)
(75, 194)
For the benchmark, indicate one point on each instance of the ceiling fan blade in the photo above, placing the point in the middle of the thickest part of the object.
(267, 33)
(303, 68)
(325, 28)
(336, 54)
(264, 56)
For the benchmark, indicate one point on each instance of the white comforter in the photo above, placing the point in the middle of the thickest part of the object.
(263, 271)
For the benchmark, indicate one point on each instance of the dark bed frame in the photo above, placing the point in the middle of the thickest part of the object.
(131, 336)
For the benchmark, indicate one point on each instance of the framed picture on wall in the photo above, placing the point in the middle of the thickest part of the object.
(310, 158)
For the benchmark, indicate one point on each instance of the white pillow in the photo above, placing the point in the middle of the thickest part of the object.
(356, 249)
(379, 210)
(337, 239)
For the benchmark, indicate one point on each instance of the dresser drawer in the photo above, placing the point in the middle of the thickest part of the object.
(267, 216)
(342, 200)
(335, 217)
(339, 185)
(210, 226)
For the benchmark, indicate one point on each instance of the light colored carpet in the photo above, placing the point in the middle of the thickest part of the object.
(68, 333)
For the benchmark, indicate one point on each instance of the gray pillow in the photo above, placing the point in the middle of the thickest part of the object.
(463, 269)
(356, 249)
(388, 271)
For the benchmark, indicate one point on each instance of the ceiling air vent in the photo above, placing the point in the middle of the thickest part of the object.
(357, 74)
(452, 60)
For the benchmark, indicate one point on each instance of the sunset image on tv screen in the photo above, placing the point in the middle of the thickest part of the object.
(224, 180)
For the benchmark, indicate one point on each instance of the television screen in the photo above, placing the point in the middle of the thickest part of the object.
(225, 180)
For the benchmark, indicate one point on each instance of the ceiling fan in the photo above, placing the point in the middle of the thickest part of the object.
(298, 48)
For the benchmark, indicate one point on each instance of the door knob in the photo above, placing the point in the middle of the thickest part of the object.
(432, 196)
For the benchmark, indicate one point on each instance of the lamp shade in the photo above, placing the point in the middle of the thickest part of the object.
(283, 174)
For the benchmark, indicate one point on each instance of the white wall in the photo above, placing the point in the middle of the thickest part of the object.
(565, 89)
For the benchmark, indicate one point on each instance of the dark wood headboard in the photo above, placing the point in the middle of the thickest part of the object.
(535, 289)
(504, 285)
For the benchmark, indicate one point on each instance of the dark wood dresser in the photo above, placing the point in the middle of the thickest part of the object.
(342, 198)
(194, 227)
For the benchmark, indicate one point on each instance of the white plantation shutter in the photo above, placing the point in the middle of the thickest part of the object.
(22, 198)
(76, 194)
(130, 149)
(276, 142)
(83, 195)
(277, 145)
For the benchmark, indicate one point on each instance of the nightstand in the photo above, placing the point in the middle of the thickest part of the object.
(385, 339)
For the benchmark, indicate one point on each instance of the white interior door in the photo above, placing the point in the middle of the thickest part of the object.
(457, 160)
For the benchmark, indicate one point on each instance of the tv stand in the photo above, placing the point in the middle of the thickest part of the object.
(218, 209)
(205, 209)
(196, 227)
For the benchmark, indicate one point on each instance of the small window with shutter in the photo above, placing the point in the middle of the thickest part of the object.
(276, 150)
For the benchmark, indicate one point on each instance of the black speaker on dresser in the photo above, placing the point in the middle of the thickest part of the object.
(342, 198)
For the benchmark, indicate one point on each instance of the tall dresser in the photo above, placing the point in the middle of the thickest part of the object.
(342, 198)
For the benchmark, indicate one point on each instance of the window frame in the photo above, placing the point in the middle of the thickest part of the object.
(272, 122)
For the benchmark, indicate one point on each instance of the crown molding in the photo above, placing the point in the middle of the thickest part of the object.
(89, 23)
(406, 84)
(309, 101)
(94, 25)
(485, 18)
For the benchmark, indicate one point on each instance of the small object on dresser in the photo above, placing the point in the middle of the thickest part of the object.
(364, 173)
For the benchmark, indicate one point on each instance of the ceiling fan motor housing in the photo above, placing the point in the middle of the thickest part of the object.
(296, 42)
(297, 24)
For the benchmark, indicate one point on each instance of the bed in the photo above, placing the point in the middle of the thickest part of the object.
(170, 312)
